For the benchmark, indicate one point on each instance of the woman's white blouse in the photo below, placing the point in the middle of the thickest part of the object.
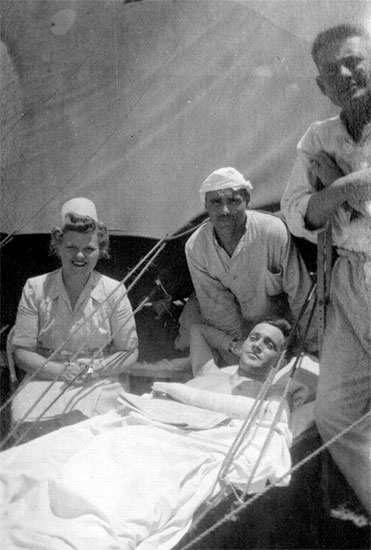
(101, 319)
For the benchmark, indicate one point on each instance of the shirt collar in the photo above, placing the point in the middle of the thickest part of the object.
(366, 132)
(92, 287)
(239, 244)
(57, 286)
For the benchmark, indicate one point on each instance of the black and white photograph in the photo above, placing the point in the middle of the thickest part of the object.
(185, 255)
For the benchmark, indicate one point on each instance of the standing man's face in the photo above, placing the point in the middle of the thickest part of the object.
(345, 72)
(226, 208)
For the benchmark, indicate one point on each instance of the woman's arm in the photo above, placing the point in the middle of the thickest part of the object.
(124, 337)
(114, 364)
(66, 371)
(31, 361)
(25, 339)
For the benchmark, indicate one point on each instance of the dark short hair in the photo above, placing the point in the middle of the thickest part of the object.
(81, 224)
(279, 322)
(335, 34)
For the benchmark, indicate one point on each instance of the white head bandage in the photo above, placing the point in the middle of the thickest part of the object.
(80, 207)
(224, 178)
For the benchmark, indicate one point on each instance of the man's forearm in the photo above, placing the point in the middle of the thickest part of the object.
(354, 188)
(322, 205)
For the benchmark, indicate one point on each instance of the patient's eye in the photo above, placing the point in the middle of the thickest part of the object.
(270, 344)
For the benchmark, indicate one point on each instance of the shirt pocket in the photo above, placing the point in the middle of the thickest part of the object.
(273, 283)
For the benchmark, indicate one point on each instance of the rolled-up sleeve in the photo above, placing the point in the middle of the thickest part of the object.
(295, 199)
(27, 321)
(294, 202)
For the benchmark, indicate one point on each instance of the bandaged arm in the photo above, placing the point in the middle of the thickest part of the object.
(235, 406)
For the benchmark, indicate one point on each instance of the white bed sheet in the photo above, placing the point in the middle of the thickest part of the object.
(122, 482)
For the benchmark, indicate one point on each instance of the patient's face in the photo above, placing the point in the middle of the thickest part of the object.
(260, 350)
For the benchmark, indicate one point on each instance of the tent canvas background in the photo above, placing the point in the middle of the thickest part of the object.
(134, 104)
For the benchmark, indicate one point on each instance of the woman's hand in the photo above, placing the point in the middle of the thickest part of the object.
(78, 372)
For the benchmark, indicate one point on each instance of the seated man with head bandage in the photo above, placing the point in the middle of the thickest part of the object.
(244, 266)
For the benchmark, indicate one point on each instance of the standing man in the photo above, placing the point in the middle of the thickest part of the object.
(335, 156)
(243, 264)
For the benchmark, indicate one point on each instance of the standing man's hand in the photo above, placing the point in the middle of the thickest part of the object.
(323, 168)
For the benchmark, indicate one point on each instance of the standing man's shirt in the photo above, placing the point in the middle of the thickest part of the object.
(349, 232)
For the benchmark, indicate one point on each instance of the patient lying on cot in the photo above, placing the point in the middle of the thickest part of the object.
(126, 480)
(257, 356)
(239, 384)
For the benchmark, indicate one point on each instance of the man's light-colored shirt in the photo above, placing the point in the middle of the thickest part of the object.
(331, 136)
(264, 270)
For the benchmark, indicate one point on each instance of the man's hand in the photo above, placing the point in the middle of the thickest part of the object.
(236, 347)
(323, 168)
(358, 190)
(358, 185)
